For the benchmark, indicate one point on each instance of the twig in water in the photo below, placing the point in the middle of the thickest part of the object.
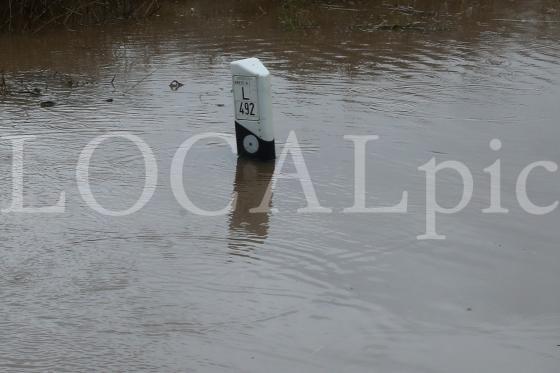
(57, 17)
(3, 86)
(525, 20)
(140, 81)
(151, 8)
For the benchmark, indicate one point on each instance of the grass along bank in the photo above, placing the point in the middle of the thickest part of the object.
(35, 15)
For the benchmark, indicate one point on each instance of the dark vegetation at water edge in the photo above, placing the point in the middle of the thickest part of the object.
(357, 15)
(35, 15)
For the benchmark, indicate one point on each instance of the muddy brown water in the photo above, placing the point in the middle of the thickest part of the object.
(165, 289)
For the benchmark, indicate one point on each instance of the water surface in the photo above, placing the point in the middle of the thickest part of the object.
(165, 289)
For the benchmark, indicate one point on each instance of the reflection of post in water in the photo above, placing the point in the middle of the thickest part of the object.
(252, 179)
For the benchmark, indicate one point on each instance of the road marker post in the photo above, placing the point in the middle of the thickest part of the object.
(252, 97)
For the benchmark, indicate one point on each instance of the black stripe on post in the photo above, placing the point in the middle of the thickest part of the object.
(265, 150)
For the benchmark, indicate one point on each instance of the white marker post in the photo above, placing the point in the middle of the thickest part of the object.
(253, 109)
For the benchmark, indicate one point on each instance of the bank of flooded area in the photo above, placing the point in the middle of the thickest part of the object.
(170, 290)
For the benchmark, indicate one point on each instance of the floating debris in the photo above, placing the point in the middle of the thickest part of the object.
(35, 92)
(48, 103)
(175, 85)
(109, 100)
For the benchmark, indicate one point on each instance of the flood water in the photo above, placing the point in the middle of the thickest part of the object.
(166, 289)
